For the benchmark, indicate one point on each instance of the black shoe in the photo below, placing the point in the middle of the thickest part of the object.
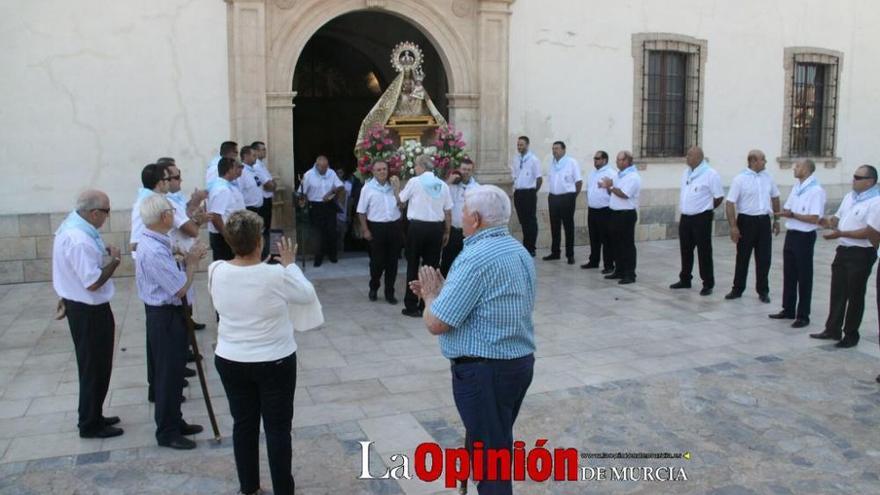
(188, 429)
(105, 432)
(826, 335)
(613, 276)
(190, 357)
(153, 399)
(878, 379)
(391, 299)
(733, 295)
(680, 285)
(185, 383)
(800, 323)
(110, 421)
(179, 443)
(373, 295)
(532, 254)
(782, 315)
(606, 271)
(571, 260)
(764, 298)
(626, 280)
(706, 291)
(198, 326)
(415, 313)
(334, 260)
(189, 372)
(317, 263)
(590, 266)
(846, 343)
(551, 257)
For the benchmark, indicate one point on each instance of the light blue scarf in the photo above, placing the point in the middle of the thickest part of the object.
(382, 188)
(177, 197)
(523, 158)
(871, 193)
(217, 184)
(696, 172)
(431, 184)
(557, 165)
(805, 186)
(144, 193)
(74, 221)
(628, 170)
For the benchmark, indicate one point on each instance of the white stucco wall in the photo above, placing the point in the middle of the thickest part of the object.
(93, 90)
(571, 73)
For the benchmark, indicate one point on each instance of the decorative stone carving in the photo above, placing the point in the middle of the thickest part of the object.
(462, 8)
(285, 4)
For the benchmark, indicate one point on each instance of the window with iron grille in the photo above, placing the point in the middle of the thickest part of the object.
(669, 89)
(813, 105)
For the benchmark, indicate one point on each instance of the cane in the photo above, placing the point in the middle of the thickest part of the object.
(198, 359)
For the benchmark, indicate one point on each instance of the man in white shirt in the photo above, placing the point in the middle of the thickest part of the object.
(224, 199)
(429, 212)
(526, 170)
(154, 179)
(624, 204)
(701, 193)
(802, 210)
(379, 214)
(228, 149)
(82, 281)
(565, 185)
(853, 260)
(459, 181)
(599, 214)
(320, 185)
(250, 184)
(752, 198)
(269, 187)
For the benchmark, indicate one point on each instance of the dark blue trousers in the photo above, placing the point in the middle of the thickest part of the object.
(488, 395)
(167, 339)
(93, 331)
(797, 273)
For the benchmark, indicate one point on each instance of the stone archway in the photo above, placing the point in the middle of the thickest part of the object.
(266, 38)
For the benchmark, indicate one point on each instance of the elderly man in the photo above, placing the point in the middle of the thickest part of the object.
(526, 170)
(459, 182)
(379, 214)
(269, 187)
(224, 199)
(752, 198)
(154, 179)
(228, 149)
(853, 260)
(624, 204)
(161, 286)
(82, 281)
(802, 210)
(483, 315)
(565, 185)
(320, 185)
(701, 193)
(429, 212)
(599, 213)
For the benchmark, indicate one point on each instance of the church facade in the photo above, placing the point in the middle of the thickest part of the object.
(100, 89)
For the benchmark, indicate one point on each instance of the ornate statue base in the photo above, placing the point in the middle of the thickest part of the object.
(412, 128)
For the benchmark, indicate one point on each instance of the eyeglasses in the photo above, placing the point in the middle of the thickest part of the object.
(597, 158)
(105, 210)
(174, 177)
(165, 179)
(861, 177)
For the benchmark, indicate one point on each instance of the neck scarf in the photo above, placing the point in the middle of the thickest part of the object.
(382, 188)
(871, 193)
(143, 192)
(74, 221)
(177, 197)
(431, 184)
(804, 186)
(218, 184)
(696, 172)
(557, 165)
(628, 170)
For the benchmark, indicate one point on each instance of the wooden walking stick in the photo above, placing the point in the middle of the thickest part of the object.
(190, 328)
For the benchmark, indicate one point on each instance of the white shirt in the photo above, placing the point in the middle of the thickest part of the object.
(377, 205)
(854, 216)
(265, 176)
(76, 265)
(806, 198)
(250, 187)
(874, 219)
(457, 192)
(699, 189)
(630, 183)
(526, 170)
(259, 306)
(598, 197)
(137, 225)
(564, 174)
(751, 193)
(211, 173)
(315, 186)
(180, 241)
(422, 206)
(224, 201)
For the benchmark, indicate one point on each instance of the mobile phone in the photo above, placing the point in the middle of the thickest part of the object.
(275, 236)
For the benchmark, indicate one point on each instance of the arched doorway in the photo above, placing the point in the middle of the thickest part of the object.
(339, 76)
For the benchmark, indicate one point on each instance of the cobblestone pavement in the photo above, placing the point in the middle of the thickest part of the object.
(760, 406)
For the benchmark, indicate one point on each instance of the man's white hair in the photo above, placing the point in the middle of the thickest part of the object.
(490, 202)
(425, 161)
(152, 207)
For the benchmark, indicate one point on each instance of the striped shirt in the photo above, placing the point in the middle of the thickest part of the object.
(156, 275)
(488, 299)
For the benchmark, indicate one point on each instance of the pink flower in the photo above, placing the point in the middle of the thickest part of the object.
(387, 141)
(378, 146)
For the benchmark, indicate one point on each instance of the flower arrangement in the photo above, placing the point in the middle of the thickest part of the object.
(377, 145)
(449, 152)
(408, 153)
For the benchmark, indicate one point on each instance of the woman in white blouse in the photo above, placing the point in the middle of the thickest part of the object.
(259, 306)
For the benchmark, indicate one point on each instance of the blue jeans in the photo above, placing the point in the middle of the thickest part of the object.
(488, 395)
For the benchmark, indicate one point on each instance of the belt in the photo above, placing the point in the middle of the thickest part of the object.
(697, 214)
(472, 359)
(411, 220)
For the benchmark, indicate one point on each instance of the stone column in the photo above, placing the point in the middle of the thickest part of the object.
(246, 24)
(279, 110)
(464, 114)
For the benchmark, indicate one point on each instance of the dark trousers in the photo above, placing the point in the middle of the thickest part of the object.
(850, 271)
(755, 236)
(220, 250)
(167, 337)
(562, 213)
(265, 213)
(261, 390)
(93, 331)
(384, 252)
(598, 222)
(323, 218)
(797, 273)
(424, 241)
(526, 203)
(488, 395)
(450, 252)
(695, 231)
(623, 241)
